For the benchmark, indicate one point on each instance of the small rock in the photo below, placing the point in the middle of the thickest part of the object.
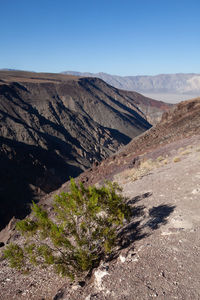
(122, 258)
(82, 283)
(8, 279)
(98, 278)
(195, 191)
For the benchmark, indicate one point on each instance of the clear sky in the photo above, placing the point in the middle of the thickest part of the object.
(124, 37)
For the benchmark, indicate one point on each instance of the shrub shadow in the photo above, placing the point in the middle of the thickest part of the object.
(158, 215)
(135, 230)
(139, 198)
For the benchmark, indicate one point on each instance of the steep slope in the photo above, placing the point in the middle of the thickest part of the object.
(167, 87)
(152, 109)
(182, 121)
(54, 126)
(160, 254)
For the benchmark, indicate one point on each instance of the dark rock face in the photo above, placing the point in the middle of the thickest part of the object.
(56, 126)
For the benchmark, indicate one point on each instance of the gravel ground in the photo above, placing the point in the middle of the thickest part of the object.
(164, 260)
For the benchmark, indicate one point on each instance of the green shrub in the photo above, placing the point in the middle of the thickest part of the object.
(81, 231)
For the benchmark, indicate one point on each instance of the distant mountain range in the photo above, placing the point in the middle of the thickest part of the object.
(171, 88)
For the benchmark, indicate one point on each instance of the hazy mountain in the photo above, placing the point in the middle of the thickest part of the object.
(166, 87)
(53, 126)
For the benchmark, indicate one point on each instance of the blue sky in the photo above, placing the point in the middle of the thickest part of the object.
(124, 37)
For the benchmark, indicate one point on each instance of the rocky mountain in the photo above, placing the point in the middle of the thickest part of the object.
(53, 126)
(167, 87)
(159, 172)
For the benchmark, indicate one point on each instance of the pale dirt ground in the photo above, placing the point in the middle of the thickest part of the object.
(162, 259)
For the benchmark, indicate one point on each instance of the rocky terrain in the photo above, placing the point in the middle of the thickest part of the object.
(53, 126)
(182, 121)
(171, 88)
(159, 172)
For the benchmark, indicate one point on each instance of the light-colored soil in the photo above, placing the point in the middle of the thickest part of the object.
(164, 260)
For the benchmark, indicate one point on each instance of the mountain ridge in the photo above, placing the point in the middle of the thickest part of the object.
(167, 87)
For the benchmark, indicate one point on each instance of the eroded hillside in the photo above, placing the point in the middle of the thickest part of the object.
(183, 120)
(53, 126)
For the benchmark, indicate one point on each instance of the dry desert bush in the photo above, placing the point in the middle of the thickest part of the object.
(176, 159)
